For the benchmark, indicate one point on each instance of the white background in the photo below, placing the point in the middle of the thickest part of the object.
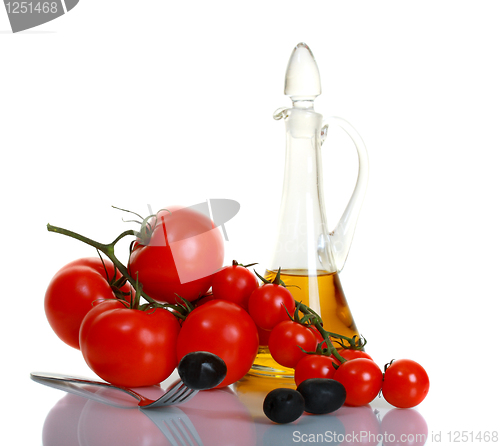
(132, 103)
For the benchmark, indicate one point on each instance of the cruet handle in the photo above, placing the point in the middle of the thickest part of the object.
(341, 236)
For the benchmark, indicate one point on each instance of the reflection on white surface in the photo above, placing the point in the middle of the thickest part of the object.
(227, 417)
(404, 427)
(366, 425)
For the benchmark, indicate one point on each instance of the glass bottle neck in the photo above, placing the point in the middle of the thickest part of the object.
(303, 244)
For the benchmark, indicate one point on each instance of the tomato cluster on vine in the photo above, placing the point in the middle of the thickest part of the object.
(135, 321)
(97, 305)
(297, 339)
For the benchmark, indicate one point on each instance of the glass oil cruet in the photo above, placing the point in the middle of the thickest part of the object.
(308, 254)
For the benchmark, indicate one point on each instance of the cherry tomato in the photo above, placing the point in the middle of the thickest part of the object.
(130, 348)
(224, 329)
(286, 341)
(314, 366)
(74, 290)
(180, 258)
(362, 379)
(234, 283)
(353, 354)
(268, 305)
(406, 383)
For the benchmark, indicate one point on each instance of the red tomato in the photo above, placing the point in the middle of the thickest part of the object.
(130, 348)
(314, 366)
(234, 283)
(183, 253)
(267, 305)
(353, 354)
(225, 329)
(96, 311)
(72, 293)
(286, 340)
(406, 383)
(362, 379)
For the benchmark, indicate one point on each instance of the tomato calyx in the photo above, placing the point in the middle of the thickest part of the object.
(179, 310)
(276, 281)
(182, 308)
(148, 225)
(235, 263)
(388, 365)
(116, 283)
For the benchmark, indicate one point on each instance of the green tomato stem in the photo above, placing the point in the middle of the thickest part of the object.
(109, 251)
(312, 318)
(330, 349)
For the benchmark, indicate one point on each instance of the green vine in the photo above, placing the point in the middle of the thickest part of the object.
(311, 318)
(109, 250)
(180, 310)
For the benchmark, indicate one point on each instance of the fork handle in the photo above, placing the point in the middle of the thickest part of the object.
(76, 385)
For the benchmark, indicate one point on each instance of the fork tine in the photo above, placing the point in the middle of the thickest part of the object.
(181, 396)
(180, 393)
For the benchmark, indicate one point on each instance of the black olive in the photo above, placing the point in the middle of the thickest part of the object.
(322, 395)
(201, 370)
(283, 405)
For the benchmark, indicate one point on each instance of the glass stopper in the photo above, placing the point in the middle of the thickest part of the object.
(302, 81)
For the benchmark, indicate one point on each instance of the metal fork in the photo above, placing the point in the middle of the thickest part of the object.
(177, 394)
